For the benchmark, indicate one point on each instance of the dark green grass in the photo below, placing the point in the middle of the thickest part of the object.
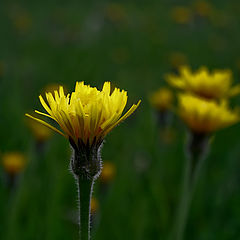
(69, 41)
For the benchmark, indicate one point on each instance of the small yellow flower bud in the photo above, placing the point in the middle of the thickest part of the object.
(108, 172)
(13, 162)
(22, 20)
(162, 99)
(115, 12)
(203, 8)
(181, 15)
(177, 59)
(94, 205)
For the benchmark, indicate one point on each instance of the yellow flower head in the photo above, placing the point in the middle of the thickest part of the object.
(213, 85)
(86, 115)
(203, 8)
(22, 20)
(13, 162)
(177, 59)
(108, 172)
(115, 12)
(205, 116)
(94, 205)
(181, 15)
(162, 99)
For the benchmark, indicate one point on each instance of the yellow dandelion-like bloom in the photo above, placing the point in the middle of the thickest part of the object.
(108, 172)
(215, 85)
(162, 99)
(203, 8)
(181, 15)
(13, 162)
(86, 115)
(205, 116)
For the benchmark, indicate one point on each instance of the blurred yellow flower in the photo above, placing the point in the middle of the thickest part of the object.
(205, 116)
(13, 162)
(215, 85)
(40, 132)
(203, 8)
(108, 172)
(177, 59)
(87, 115)
(181, 15)
(115, 12)
(162, 99)
(22, 20)
(94, 205)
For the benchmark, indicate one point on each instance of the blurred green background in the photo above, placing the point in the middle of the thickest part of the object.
(133, 44)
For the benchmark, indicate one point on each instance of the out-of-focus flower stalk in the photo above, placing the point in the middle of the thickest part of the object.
(196, 152)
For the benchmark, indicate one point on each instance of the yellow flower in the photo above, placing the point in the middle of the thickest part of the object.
(94, 205)
(213, 85)
(40, 132)
(108, 172)
(86, 115)
(22, 20)
(162, 99)
(181, 15)
(203, 8)
(13, 162)
(115, 12)
(205, 116)
(177, 59)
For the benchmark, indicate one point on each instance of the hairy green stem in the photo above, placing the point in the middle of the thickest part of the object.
(85, 194)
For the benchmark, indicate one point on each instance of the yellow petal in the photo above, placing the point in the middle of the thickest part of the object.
(45, 105)
(106, 88)
(126, 115)
(61, 92)
(44, 114)
(46, 124)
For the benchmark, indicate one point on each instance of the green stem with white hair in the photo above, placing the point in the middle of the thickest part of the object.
(85, 194)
